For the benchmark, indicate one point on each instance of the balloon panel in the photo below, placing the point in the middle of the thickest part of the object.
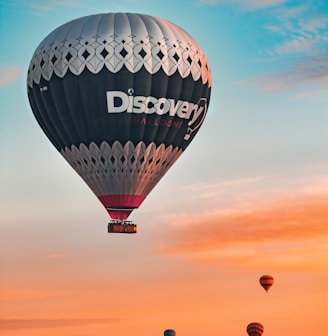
(119, 175)
(266, 281)
(121, 96)
(255, 329)
(125, 107)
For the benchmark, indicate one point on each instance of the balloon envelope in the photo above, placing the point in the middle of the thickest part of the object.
(255, 329)
(169, 332)
(120, 96)
(266, 281)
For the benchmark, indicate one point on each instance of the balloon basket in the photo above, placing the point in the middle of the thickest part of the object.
(121, 226)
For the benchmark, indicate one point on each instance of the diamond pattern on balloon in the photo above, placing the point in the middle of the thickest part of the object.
(142, 166)
(107, 49)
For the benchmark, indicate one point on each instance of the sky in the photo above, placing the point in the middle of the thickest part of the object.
(248, 197)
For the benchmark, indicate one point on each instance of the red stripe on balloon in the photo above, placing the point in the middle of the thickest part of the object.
(121, 205)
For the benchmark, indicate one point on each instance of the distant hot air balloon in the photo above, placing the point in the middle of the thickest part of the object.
(255, 329)
(120, 96)
(169, 332)
(266, 282)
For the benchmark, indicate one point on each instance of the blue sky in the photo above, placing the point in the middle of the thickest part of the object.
(268, 58)
(262, 151)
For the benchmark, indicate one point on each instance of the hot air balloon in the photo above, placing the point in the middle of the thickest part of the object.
(169, 332)
(255, 329)
(266, 281)
(120, 96)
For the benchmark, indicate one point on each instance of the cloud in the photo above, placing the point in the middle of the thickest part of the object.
(296, 45)
(246, 5)
(58, 255)
(260, 4)
(300, 73)
(274, 28)
(313, 94)
(249, 190)
(293, 11)
(50, 5)
(301, 30)
(40, 7)
(228, 183)
(14, 324)
(298, 39)
(290, 229)
(9, 74)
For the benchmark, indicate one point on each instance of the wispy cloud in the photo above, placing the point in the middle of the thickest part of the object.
(302, 72)
(228, 183)
(292, 11)
(293, 42)
(298, 36)
(298, 44)
(9, 74)
(51, 4)
(38, 7)
(246, 5)
(246, 190)
(282, 230)
(14, 324)
(58, 255)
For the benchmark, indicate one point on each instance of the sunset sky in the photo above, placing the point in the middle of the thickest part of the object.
(248, 197)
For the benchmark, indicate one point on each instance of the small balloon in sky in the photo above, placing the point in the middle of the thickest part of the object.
(169, 332)
(120, 96)
(255, 329)
(266, 281)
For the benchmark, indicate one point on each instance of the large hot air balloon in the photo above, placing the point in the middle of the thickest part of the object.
(120, 96)
(169, 332)
(255, 329)
(266, 281)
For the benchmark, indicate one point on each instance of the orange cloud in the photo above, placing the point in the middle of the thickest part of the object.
(11, 324)
(57, 255)
(290, 233)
